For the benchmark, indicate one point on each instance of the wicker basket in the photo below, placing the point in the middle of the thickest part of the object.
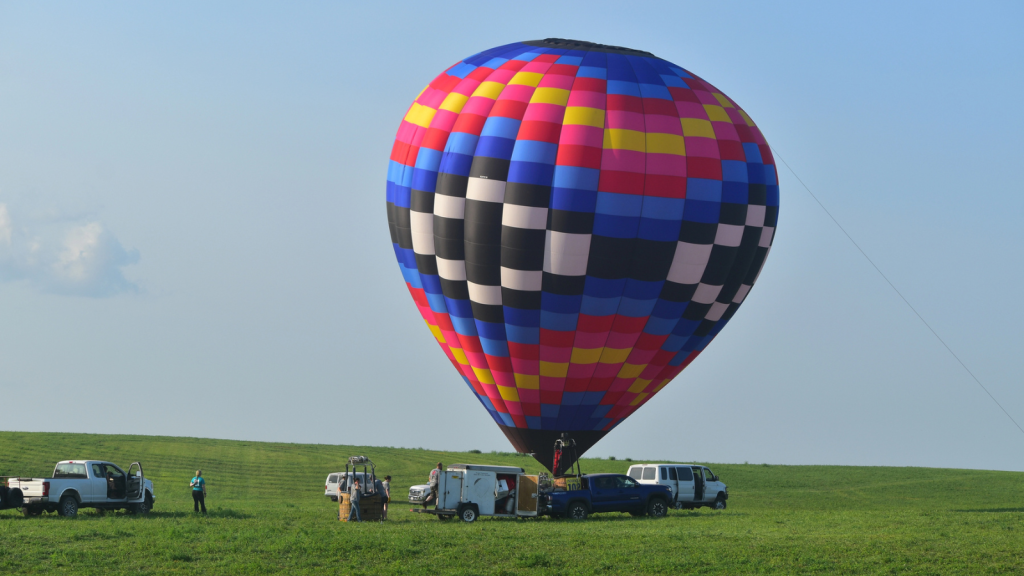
(370, 507)
(567, 483)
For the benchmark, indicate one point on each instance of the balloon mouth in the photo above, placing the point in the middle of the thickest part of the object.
(541, 443)
(585, 46)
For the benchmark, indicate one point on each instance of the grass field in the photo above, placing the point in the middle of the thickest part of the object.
(268, 514)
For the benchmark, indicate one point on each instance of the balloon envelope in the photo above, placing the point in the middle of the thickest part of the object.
(575, 223)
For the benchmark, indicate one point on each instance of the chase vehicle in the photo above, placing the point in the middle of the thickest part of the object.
(594, 493)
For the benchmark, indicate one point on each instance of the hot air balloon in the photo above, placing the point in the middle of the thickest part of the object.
(576, 222)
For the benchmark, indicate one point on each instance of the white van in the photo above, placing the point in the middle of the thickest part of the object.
(692, 485)
(331, 485)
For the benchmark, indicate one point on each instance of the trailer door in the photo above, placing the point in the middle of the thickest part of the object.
(449, 489)
(526, 494)
(478, 488)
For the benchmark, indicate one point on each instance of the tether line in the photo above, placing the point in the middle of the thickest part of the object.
(896, 290)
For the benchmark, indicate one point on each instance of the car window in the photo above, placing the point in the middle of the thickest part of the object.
(97, 471)
(649, 472)
(685, 474)
(709, 475)
(332, 479)
(629, 482)
(635, 471)
(604, 482)
(69, 471)
(664, 472)
(672, 473)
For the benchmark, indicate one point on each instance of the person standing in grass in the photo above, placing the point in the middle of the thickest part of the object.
(198, 491)
(354, 495)
(385, 497)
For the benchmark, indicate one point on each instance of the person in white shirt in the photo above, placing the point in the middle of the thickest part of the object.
(385, 497)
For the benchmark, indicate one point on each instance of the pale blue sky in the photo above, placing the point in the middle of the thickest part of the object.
(193, 238)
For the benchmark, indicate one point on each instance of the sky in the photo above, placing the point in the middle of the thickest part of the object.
(193, 237)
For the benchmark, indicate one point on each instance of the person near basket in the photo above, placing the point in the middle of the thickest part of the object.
(354, 495)
(385, 497)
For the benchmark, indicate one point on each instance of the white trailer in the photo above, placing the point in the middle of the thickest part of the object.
(468, 491)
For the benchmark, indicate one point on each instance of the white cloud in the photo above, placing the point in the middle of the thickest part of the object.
(71, 258)
(5, 226)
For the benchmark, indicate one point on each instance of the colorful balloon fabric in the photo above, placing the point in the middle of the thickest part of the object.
(576, 222)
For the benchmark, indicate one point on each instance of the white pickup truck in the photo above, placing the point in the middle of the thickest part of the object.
(82, 484)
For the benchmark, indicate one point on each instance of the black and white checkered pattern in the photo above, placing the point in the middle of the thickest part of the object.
(485, 196)
(449, 235)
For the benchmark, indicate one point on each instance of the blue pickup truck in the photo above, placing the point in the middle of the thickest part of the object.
(608, 493)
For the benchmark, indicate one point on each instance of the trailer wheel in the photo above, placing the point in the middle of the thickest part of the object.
(657, 508)
(468, 513)
(576, 511)
(68, 507)
(445, 516)
(27, 511)
(14, 498)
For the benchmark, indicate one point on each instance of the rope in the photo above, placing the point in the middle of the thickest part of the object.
(898, 293)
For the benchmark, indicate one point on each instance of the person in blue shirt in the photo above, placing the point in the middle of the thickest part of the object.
(198, 491)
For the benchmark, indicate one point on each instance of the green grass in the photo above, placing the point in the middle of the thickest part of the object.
(268, 514)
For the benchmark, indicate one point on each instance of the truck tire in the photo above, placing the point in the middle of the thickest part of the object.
(576, 511)
(657, 508)
(468, 513)
(143, 507)
(68, 507)
(27, 511)
(719, 504)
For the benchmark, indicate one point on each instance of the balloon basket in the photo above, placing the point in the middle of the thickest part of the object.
(370, 507)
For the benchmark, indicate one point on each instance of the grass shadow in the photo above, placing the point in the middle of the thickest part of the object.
(219, 513)
(996, 510)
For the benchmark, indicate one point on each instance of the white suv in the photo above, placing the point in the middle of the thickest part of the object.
(692, 485)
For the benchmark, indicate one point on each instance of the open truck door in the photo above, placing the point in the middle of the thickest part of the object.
(135, 484)
(526, 494)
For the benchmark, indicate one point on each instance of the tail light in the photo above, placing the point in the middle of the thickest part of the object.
(46, 488)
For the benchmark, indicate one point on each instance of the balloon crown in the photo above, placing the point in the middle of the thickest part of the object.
(584, 45)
